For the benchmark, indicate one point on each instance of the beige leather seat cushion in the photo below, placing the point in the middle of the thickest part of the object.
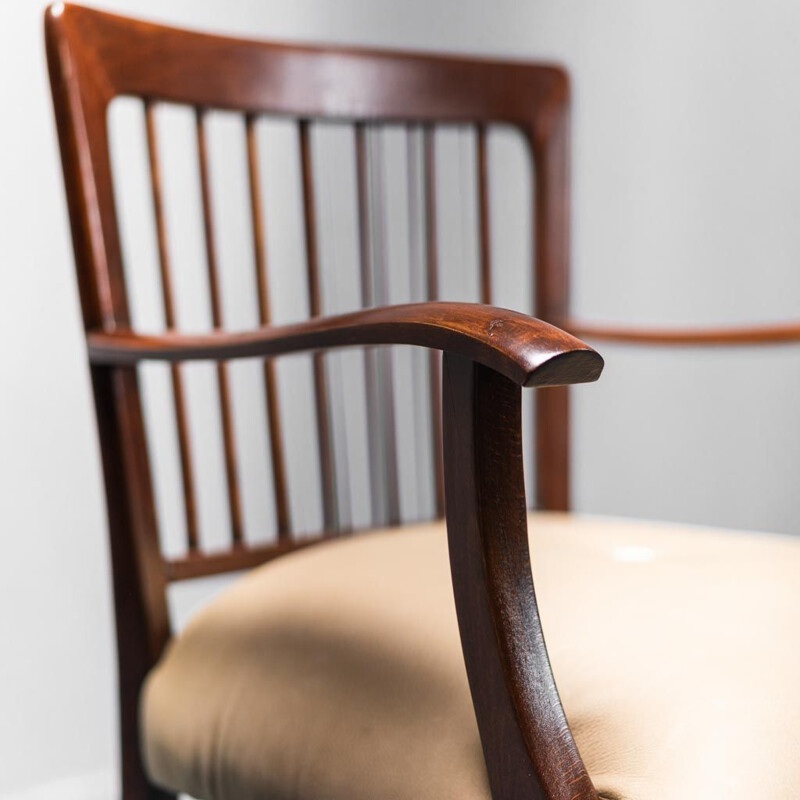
(336, 673)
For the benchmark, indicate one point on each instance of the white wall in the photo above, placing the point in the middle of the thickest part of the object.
(686, 197)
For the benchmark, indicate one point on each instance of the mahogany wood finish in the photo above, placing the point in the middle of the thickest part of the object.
(193, 566)
(382, 440)
(270, 379)
(327, 472)
(781, 333)
(94, 57)
(223, 384)
(432, 281)
(523, 349)
(342, 83)
(529, 750)
(489, 354)
(551, 213)
(483, 217)
(178, 393)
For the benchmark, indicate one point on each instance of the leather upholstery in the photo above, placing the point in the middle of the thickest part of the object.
(336, 673)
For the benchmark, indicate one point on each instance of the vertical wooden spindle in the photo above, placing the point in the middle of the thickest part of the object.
(270, 377)
(417, 287)
(432, 279)
(326, 462)
(362, 180)
(381, 429)
(551, 216)
(483, 210)
(223, 382)
(179, 399)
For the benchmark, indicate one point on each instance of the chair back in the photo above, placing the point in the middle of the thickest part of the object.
(96, 57)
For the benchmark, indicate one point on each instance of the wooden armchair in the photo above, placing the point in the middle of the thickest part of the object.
(338, 672)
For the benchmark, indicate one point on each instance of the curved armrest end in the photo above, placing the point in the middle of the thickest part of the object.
(571, 366)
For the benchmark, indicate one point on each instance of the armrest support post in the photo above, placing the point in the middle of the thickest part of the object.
(529, 749)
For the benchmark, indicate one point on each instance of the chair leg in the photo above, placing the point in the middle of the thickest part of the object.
(135, 783)
(144, 790)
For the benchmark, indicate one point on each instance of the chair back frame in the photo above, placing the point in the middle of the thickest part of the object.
(94, 57)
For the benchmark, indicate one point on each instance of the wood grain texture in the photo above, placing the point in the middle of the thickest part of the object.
(362, 85)
(529, 749)
(95, 57)
(527, 351)
(307, 82)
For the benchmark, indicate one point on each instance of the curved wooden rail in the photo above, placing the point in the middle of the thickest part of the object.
(780, 333)
(527, 351)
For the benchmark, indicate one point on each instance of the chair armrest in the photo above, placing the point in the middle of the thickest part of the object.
(525, 350)
(489, 354)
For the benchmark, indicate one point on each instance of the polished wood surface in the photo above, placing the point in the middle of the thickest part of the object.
(223, 381)
(94, 57)
(551, 298)
(432, 288)
(381, 430)
(527, 743)
(327, 469)
(778, 333)
(527, 351)
(307, 82)
(168, 301)
(348, 84)
(277, 451)
(140, 601)
(483, 217)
